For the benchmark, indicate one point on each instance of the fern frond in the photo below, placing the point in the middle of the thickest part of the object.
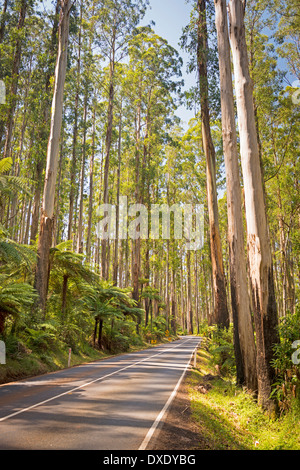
(5, 165)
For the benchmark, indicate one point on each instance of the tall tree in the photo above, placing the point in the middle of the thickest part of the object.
(259, 251)
(24, 5)
(221, 315)
(47, 212)
(245, 351)
(117, 22)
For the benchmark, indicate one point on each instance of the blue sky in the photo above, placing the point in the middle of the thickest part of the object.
(170, 17)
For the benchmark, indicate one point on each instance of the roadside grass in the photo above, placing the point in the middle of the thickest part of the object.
(24, 365)
(229, 418)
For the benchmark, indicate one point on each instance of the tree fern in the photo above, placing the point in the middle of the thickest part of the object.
(14, 297)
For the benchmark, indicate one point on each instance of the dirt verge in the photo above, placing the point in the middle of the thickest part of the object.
(178, 430)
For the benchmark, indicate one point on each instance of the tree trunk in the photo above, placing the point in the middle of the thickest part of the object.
(36, 202)
(221, 316)
(173, 301)
(64, 297)
(136, 252)
(43, 132)
(56, 225)
(245, 351)
(15, 80)
(75, 135)
(108, 140)
(91, 187)
(116, 259)
(3, 20)
(47, 212)
(95, 331)
(82, 172)
(189, 294)
(100, 333)
(259, 251)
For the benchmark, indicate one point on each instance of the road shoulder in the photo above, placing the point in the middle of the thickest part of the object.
(177, 431)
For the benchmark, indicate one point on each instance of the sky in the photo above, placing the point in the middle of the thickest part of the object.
(170, 17)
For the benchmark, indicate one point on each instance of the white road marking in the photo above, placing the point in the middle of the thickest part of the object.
(153, 428)
(86, 384)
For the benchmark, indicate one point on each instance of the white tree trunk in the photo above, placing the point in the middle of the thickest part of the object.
(56, 111)
(47, 215)
(244, 337)
(259, 251)
(221, 314)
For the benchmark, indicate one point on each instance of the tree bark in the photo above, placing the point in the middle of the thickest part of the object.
(189, 294)
(47, 212)
(64, 298)
(136, 252)
(259, 251)
(15, 80)
(221, 316)
(43, 132)
(100, 333)
(91, 186)
(116, 259)
(75, 135)
(108, 140)
(82, 173)
(245, 350)
(3, 20)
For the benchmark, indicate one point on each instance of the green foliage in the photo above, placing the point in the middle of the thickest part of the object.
(229, 417)
(286, 386)
(219, 342)
(10, 184)
(119, 335)
(156, 330)
(14, 297)
(40, 340)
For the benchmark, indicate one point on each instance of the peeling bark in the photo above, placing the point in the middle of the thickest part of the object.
(259, 250)
(221, 315)
(245, 351)
(47, 213)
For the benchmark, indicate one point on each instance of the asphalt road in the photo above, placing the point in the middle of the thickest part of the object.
(114, 404)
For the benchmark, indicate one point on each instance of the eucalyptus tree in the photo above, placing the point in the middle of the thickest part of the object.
(221, 314)
(245, 351)
(153, 77)
(277, 117)
(259, 249)
(117, 21)
(47, 212)
(200, 40)
(287, 33)
(23, 8)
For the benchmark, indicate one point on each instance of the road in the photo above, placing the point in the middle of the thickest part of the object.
(113, 404)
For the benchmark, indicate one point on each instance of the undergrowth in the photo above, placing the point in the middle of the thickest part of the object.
(228, 417)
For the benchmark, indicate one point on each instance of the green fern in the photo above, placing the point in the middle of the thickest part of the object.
(14, 297)
(10, 184)
(5, 165)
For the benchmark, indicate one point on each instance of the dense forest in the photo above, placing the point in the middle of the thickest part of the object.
(89, 124)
